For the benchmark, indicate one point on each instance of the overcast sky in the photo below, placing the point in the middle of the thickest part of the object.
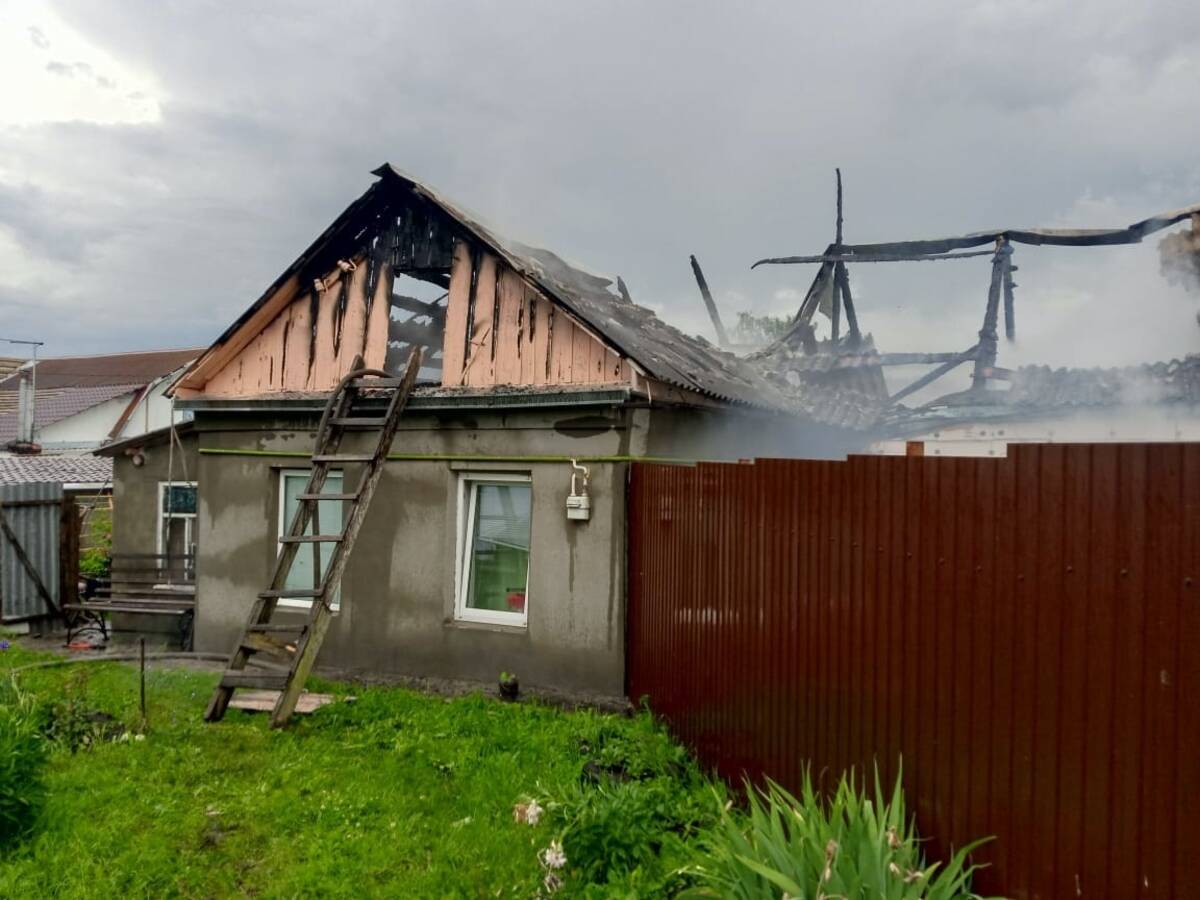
(162, 162)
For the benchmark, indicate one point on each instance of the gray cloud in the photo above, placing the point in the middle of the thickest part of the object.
(626, 136)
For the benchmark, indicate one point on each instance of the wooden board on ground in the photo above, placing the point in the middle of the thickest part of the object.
(264, 701)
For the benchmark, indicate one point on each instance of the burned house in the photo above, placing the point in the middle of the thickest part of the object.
(539, 383)
(1154, 401)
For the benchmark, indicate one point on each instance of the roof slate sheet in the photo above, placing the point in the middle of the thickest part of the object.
(56, 404)
(113, 368)
(64, 469)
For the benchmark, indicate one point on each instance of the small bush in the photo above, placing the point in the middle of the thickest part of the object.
(22, 760)
(626, 821)
(852, 846)
(71, 724)
(95, 563)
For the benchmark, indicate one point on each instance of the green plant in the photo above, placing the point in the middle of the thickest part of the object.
(854, 845)
(626, 822)
(95, 559)
(22, 761)
(70, 723)
(95, 563)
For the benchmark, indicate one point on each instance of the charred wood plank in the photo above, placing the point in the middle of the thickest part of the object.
(842, 283)
(986, 357)
(1010, 315)
(930, 377)
(433, 308)
(849, 257)
(413, 333)
(710, 304)
(908, 359)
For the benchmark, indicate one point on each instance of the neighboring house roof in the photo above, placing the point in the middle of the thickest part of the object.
(62, 469)
(69, 385)
(146, 439)
(57, 404)
(140, 367)
(9, 364)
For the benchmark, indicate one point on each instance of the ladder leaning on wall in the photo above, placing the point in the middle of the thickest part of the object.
(282, 653)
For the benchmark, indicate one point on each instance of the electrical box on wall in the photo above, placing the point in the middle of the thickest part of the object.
(579, 504)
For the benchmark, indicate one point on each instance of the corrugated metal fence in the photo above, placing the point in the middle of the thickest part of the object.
(1024, 632)
(33, 514)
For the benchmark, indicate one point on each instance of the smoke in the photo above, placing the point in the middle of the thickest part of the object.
(1179, 256)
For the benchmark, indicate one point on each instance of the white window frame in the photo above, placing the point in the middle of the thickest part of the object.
(335, 603)
(462, 568)
(189, 528)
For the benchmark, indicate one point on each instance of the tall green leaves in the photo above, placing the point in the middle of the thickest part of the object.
(22, 759)
(854, 845)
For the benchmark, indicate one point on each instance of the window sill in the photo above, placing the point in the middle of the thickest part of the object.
(301, 607)
(468, 625)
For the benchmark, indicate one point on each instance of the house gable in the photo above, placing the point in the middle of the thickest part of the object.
(490, 326)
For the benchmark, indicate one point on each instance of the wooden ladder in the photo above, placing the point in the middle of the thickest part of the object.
(283, 653)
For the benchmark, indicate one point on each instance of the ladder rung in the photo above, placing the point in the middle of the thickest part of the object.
(310, 539)
(344, 458)
(297, 593)
(360, 421)
(261, 643)
(235, 678)
(353, 496)
(376, 382)
(276, 628)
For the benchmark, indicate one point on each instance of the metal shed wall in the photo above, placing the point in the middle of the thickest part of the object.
(37, 529)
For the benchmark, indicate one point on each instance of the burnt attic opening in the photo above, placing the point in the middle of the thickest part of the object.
(416, 318)
(421, 247)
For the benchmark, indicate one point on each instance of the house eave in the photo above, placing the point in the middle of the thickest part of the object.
(435, 401)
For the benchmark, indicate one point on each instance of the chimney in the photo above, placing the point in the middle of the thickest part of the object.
(25, 414)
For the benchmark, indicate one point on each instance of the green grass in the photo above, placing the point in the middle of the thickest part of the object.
(401, 794)
(397, 794)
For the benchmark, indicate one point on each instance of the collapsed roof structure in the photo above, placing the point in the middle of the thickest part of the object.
(841, 378)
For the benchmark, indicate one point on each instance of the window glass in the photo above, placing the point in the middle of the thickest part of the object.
(179, 498)
(329, 513)
(498, 556)
(177, 516)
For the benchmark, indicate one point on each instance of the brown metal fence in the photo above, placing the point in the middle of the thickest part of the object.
(1024, 632)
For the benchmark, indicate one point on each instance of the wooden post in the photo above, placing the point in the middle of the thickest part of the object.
(710, 304)
(986, 357)
(142, 663)
(839, 269)
(1010, 321)
(841, 284)
(68, 552)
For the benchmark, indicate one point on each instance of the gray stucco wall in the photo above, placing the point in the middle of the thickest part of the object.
(397, 599)
(397, 596)
(135, 492)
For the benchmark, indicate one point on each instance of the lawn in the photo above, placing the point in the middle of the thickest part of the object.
(395, 794)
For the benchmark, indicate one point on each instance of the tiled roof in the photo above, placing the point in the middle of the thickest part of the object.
(54, 405)
(112, 368)
(65, 469)
(1176, 381)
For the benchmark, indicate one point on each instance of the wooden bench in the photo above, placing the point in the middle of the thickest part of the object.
(147, 584)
